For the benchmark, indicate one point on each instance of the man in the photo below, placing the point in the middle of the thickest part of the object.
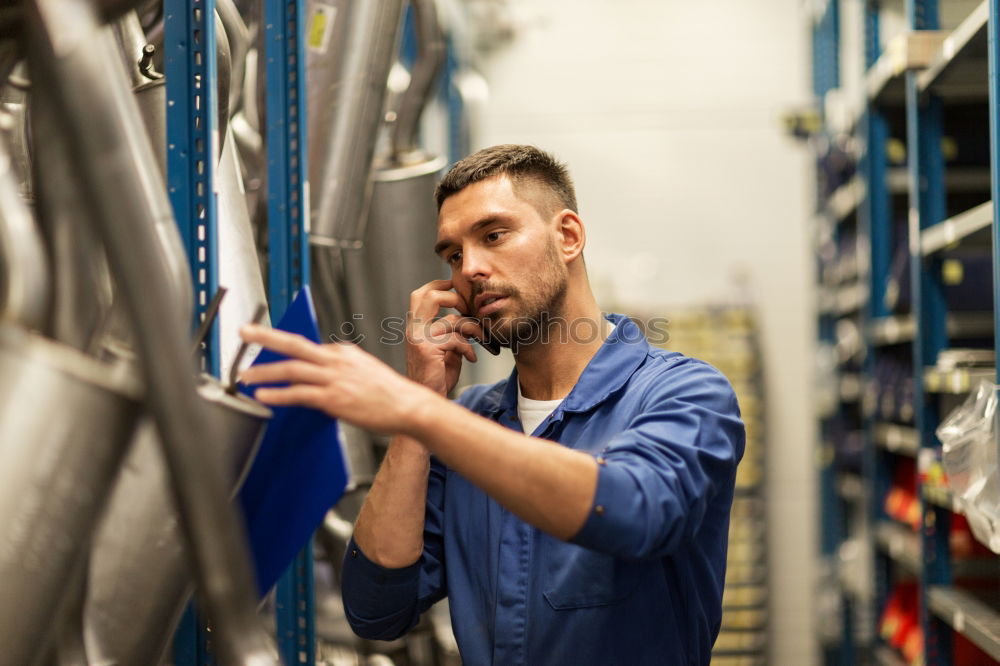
(575, 513)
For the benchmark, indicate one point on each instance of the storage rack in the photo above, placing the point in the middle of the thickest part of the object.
(192, 153)
(898, 209)
(728, 338)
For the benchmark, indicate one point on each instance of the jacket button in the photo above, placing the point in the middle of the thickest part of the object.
(354, 552)
(599, 509)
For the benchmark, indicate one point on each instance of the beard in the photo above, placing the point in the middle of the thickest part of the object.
(523, 322)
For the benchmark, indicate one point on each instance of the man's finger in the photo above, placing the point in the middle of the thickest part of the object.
(454, 323)
(425, 307)
(292, 372)
(456, 343)
(299, 394)
(435, 285)
(288, 344)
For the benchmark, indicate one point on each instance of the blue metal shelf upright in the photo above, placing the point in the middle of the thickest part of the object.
(192, 142)
(192, 154)
(906, 200)
(288, 266)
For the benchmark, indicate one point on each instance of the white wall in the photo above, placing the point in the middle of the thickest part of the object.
(667, 112)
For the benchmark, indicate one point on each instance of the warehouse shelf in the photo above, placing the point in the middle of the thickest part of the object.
(886, 656)
(911, 50)
(926, 84)
(845, 199)
(896, 329)
(900, 543)
(968, 616)
(897, 438)
(956, 68)
(851, 588)
(942, 235)
(940, 497)
(957, 381)
(893, 329)
(850, 487)
(850, 299)
(957, 179)
(850, 387)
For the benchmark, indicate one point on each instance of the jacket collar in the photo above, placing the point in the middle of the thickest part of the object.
(613, 364)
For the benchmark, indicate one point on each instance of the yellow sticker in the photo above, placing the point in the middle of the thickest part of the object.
(952, 272)
(321, 27)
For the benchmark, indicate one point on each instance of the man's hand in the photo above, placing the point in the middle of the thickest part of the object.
(340, 379)
(435, 347)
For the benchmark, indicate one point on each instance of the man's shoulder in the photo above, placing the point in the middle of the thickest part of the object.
(481, 398)
(672, 372)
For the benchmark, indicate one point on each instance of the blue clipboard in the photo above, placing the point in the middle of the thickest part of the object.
(299, 472)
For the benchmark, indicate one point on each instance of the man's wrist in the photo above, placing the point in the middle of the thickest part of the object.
(424, 410)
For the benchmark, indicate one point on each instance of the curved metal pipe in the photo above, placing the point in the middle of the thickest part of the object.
(346, 98)
(138, 62)
(25, 288)
(430, 60)
(239, 43)
(82, 293)
(114, 160)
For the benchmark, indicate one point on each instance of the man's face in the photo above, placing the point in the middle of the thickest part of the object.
(504, 257)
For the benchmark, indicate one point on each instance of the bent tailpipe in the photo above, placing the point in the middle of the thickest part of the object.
(113, 158)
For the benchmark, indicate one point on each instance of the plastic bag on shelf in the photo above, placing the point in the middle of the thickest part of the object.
(969, 456)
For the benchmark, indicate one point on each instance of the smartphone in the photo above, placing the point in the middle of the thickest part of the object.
(490, 345)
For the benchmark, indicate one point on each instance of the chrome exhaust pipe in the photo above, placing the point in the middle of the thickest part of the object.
(111, 154)
(139, 576)
(65, 422)
(24, 283)
(346, 97)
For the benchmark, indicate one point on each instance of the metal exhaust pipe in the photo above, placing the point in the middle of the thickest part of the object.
(114, 160)
(427, 67)
(24, 284)
(346, 96)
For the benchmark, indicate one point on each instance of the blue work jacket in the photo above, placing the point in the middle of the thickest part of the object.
(640, 583)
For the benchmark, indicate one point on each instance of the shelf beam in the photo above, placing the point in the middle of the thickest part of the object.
(901, 544)
(897, 439)
(943, 234)
(909, 51)
(955, 382)
(967, 616)
(966, 43)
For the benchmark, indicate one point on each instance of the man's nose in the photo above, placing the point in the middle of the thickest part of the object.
(474, 265)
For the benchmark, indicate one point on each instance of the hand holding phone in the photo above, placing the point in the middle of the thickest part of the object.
(487, 343)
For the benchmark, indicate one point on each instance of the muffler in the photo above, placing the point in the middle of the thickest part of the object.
(65, 422)
(140, 577)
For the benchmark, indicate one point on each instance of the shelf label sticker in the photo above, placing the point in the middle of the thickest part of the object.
(321, 28)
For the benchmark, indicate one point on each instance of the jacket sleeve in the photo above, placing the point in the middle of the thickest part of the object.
(657, 479)
(384, 604)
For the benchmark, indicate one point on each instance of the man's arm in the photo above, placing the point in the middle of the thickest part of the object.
(390, 526)
(661, 473)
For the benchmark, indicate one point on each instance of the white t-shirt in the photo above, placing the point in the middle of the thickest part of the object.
(533, 412)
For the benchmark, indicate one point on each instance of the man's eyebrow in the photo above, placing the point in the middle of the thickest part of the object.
(444, 244)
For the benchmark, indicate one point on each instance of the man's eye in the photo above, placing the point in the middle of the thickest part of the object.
(454, 258)
(494, 236)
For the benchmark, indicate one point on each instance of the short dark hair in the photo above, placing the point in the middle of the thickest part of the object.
(522, 164)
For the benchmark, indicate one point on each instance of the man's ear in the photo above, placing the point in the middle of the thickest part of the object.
(571, 235)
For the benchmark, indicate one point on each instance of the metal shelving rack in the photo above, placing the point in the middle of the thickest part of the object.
(192, 154)
(912, 86)
(193, 147)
